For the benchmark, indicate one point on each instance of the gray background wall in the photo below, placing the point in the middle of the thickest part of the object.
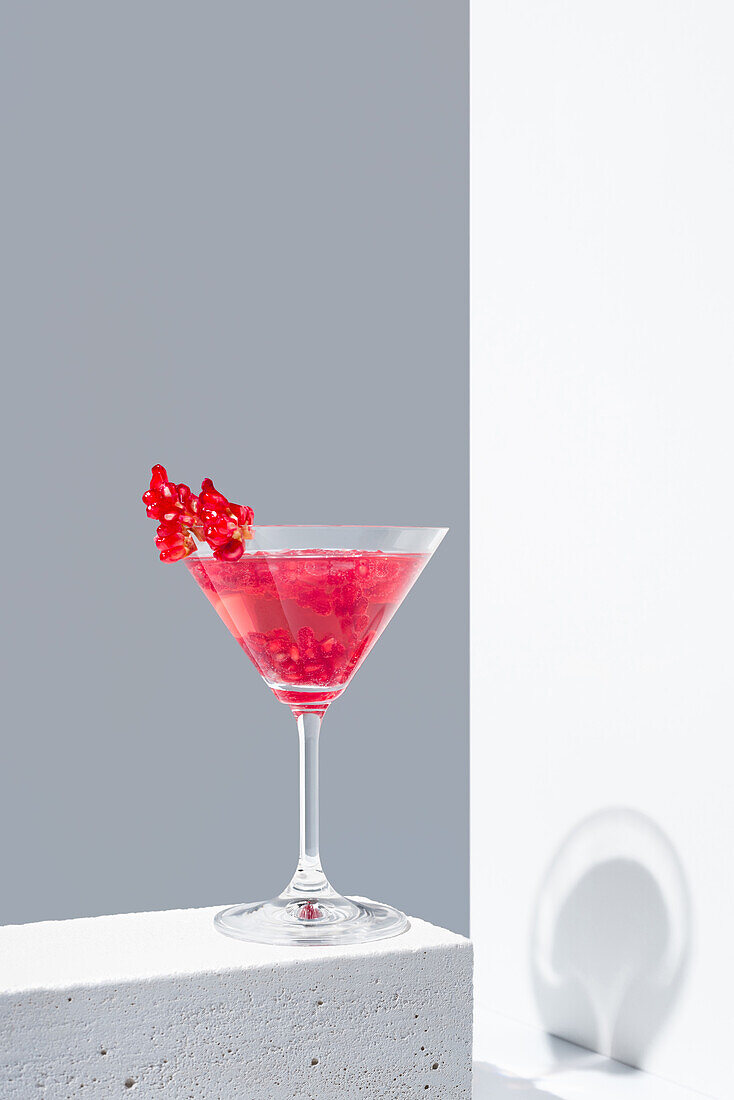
(234, 241)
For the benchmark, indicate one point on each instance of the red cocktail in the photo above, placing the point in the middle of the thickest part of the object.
(307, 618)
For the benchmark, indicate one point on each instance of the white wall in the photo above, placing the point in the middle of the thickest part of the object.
(602, 572)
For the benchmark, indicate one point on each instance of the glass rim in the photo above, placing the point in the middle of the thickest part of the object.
(432, 535)
(348, 526)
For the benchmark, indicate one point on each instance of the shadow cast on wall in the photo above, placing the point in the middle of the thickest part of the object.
(611, 935)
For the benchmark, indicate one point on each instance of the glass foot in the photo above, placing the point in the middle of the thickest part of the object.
(317, 921)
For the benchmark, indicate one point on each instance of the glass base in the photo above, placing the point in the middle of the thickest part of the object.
(316, 921)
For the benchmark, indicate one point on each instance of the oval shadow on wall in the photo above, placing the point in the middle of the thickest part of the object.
(611, 935)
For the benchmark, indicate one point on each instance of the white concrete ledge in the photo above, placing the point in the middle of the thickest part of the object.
(161, 1002)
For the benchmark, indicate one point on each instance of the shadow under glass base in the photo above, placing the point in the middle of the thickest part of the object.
(319, 921)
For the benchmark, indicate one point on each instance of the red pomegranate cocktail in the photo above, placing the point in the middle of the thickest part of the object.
(306, 604)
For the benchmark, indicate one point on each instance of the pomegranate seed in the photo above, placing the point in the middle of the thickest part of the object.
(231, 551)
(211, 497)
(158, 478)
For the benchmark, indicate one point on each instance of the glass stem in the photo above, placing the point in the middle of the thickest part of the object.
(309, 879)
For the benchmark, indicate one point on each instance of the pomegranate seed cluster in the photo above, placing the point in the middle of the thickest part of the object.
(305, 660)
(183, 518)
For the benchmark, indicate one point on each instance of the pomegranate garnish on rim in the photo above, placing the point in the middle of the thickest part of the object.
(185, 518)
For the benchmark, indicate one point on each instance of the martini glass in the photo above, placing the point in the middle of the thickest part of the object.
(307, 604)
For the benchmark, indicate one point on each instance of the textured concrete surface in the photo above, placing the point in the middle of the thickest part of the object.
(161, 1003)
